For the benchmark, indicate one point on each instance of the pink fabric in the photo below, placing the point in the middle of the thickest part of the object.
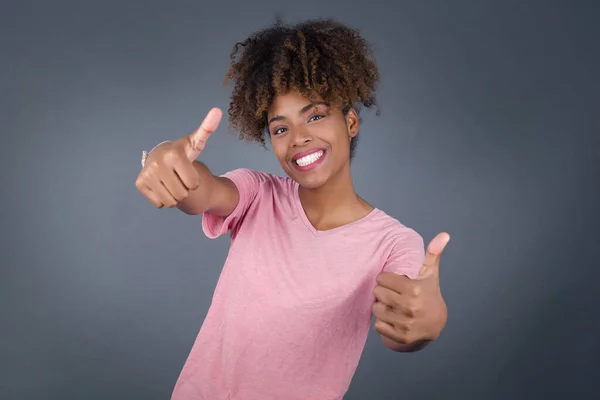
(292, 308)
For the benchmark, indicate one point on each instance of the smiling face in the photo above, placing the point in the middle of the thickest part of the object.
(311, 140)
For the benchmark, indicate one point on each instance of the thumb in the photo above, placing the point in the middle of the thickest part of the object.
(196, 141)
(434, 251)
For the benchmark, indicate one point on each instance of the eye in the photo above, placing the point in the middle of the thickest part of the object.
(316, 117)
(279, 131)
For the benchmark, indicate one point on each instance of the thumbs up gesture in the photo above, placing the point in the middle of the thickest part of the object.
(168, 175)
(410, 313)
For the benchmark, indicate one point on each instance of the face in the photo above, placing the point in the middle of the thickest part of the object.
(311, 140)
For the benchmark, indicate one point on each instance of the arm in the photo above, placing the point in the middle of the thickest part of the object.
(216, 195)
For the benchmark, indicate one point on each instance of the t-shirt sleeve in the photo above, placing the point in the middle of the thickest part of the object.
(407, 254)
(248, 183)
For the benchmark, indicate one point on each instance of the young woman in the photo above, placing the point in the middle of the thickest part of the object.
(310, 260)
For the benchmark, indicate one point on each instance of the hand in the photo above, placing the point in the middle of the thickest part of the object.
(168, 175)
(412, 312)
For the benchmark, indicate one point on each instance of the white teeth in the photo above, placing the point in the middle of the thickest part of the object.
(309, 159)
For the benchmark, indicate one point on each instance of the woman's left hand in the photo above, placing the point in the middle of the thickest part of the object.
(412, 312)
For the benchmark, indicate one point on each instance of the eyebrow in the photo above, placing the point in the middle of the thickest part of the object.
(302, 111)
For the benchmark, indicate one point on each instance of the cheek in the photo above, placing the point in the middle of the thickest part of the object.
(280, 152)
(342, 144)
(334, 134)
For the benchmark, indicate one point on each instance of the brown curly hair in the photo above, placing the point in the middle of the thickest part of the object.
(316, 57)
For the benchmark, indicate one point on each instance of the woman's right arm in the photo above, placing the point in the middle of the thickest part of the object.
(218, 196)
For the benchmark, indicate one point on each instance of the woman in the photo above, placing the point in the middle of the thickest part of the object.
(310, 260)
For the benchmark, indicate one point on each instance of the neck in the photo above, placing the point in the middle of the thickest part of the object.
(335, 203)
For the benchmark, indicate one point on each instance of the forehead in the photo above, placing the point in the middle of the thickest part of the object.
(290, 102)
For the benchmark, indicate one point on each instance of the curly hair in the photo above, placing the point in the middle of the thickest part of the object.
(316, 57)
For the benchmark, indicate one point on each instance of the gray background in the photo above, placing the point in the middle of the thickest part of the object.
(489, 130)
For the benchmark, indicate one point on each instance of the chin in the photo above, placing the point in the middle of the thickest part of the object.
(307, 181)
(311, 183)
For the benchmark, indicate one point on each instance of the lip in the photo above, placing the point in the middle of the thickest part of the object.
(309, 167)
(306, 153)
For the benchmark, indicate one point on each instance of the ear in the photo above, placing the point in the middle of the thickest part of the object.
(352, 122)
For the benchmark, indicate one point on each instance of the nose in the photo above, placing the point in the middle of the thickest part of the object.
(301, 136)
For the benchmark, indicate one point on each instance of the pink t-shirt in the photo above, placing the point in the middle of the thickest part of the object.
(292, 308)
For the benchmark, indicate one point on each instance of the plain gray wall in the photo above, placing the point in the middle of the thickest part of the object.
(489, 130)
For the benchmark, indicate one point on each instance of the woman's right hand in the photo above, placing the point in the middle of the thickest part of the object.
(169, 175)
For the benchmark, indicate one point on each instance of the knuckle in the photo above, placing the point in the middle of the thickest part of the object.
(182, 196)
(408, 339)
(401, 337)
(377, 308)
(415, 291)
(377, 291)
(408, 336)
(195, 183)
(411, 310)
(379, 326)
(170, 157)
(168, 201)
(152, 164)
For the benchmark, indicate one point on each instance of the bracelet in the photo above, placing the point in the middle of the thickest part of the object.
(145, 154)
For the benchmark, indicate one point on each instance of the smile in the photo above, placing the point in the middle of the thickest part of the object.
(309, 159)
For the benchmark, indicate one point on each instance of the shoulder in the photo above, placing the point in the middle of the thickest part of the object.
(405, 246)
(394, 229)
(247, 173)
(251, 178)
(263, 188)
(256, 175)
(398, 237)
